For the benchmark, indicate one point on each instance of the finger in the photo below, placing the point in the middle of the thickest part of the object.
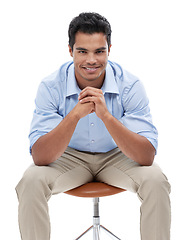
(87, 99)
(92, 89)
(90, 92)
(95, 100)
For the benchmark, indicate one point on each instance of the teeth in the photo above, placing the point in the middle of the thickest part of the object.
(90, 68)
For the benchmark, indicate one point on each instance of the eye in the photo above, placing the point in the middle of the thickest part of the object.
(100, 52)
(82, 52)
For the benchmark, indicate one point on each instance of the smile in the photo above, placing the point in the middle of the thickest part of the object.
(91, 69)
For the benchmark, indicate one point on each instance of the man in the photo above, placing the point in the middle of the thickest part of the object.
(92, 122)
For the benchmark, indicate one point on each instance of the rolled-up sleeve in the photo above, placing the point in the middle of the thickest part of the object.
(45, 116)
(137, 117)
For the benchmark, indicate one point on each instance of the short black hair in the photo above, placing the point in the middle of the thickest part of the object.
(89, 22)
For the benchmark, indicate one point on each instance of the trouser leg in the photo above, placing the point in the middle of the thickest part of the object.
(35, 189)
(152, 188)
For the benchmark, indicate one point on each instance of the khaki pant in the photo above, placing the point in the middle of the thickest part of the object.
(75, 168)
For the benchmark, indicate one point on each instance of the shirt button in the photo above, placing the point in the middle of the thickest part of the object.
(92, 124)
(92, 141)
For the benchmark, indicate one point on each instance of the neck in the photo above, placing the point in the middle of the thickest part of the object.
(95, 83)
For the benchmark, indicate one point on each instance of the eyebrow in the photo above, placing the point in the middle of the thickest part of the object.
(84, 49)
(81, 49)
(102, 48)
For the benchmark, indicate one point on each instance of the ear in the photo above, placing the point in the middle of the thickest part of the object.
(109, 49)
(70, 51)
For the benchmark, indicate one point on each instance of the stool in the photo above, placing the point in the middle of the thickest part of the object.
(95, 190)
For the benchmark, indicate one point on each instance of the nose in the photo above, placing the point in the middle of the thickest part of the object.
(91, 59)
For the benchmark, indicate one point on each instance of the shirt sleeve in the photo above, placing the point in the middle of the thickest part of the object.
(137, 117)
(45, 116)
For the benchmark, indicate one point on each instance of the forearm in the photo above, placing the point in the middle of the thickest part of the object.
(131, 144)
(52, 145)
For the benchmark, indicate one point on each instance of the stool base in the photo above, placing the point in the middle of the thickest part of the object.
(96, 233)
(97, 228)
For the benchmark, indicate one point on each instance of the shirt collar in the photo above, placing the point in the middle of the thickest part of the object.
(72, 86)
(109, 85)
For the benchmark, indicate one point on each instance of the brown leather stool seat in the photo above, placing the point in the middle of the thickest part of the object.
(95, 190)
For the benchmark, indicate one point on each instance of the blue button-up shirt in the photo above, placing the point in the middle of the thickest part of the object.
(125, 98)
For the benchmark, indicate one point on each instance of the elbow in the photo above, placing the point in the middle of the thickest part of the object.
(40, 154)
(147, 155)
(146, 160)
(40, 160)
(147, 163)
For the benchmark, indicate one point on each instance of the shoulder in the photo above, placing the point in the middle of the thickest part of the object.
(54, 85)
(124, 79)
(57, 77)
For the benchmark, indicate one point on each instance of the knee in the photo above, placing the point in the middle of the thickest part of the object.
(155, 183)
(31, 183)
(158, 182)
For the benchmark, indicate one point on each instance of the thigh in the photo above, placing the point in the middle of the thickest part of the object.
(114, 171)
(73, 169)
(62, 175)
(125, 173)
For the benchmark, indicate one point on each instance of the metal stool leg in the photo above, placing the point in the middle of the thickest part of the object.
(96, 224)
(110, 233)
(84, 233)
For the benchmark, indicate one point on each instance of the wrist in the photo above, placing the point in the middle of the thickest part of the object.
(106, 117)
(74, 116)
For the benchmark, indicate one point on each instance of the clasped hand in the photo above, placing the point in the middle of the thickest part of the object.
(95, 98)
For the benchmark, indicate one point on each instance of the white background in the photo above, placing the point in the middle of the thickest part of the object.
(150, 40)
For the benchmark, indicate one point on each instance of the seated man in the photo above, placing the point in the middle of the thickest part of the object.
(92, 122)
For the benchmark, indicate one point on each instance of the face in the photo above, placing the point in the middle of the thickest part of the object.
(90, 55)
